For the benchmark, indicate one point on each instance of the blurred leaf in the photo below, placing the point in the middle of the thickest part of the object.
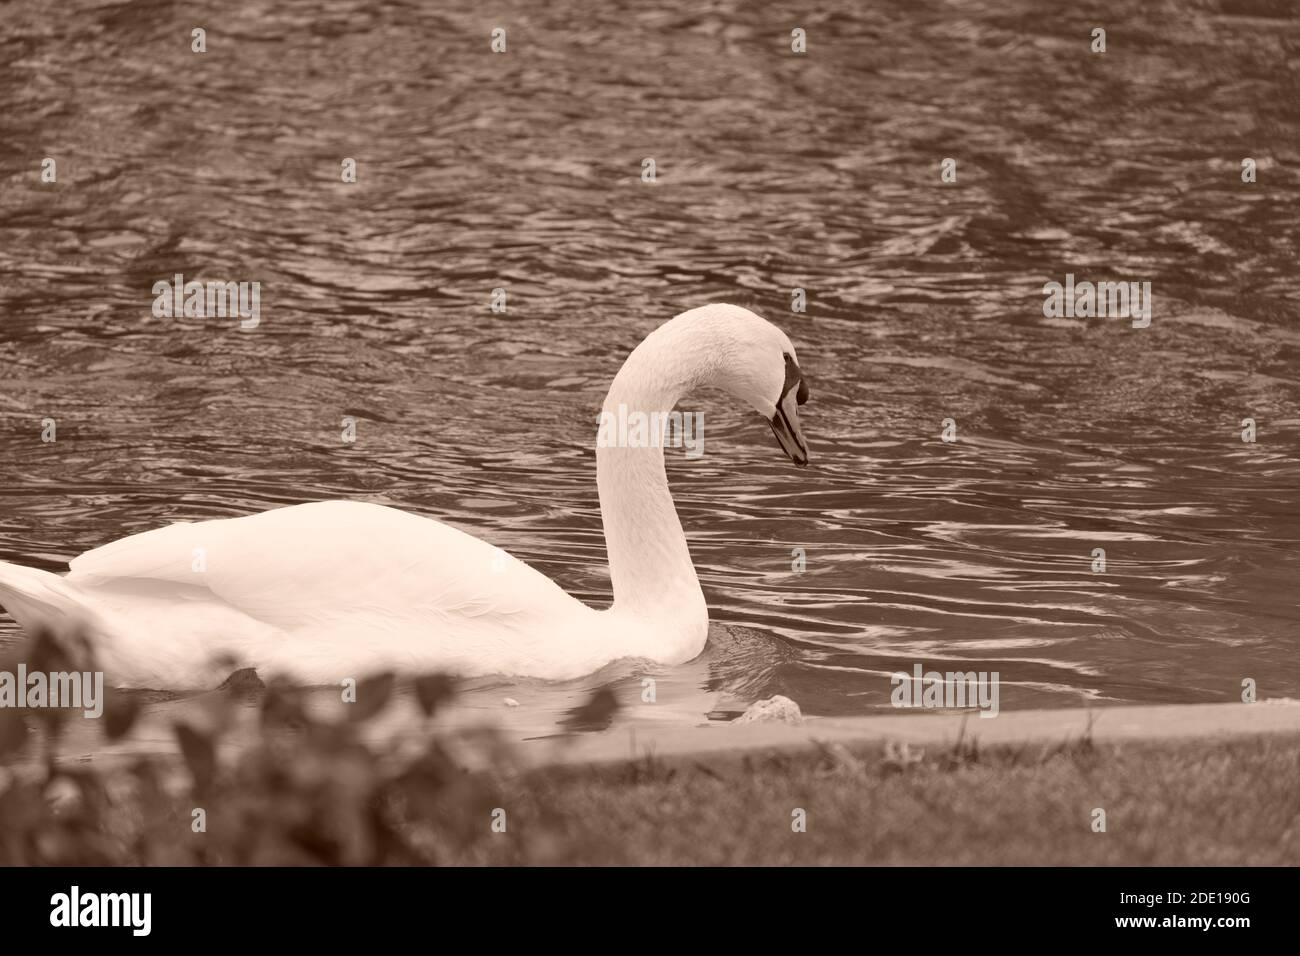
(373, 695)
(282, 707)
(433, 690)
(47, 653)
(200, 755)
(94, 793)
(218, 711)
(13, 732)
(120, 713)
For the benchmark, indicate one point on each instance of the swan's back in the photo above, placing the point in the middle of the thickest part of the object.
(329, 553)
(337, 575)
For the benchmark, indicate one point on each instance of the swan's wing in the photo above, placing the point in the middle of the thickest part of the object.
(329, 563)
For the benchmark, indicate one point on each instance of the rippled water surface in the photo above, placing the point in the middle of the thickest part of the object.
(775, 171)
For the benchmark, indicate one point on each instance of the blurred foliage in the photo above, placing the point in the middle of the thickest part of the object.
(304, 791)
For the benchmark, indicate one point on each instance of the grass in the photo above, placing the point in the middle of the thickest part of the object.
(1216, 803)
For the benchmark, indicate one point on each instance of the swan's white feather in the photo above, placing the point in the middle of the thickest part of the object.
(324, 591)
(328, 559)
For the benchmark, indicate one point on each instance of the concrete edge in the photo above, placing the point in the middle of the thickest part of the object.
(1008, 729)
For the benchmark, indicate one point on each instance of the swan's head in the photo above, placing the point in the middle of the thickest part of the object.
(759, 367)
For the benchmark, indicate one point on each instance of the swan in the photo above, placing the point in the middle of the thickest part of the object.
(323, 591)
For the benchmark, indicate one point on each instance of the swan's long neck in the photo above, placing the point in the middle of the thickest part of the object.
(650, 566)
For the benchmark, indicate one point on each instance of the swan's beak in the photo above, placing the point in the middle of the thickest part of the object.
(785, 424)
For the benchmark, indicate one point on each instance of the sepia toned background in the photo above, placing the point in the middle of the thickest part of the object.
(775, 171)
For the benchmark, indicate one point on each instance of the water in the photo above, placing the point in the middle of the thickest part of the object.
(775, 171)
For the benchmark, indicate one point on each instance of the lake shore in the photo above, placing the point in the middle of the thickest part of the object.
(1163, 785)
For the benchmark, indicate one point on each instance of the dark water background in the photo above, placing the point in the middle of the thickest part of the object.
(775, 171)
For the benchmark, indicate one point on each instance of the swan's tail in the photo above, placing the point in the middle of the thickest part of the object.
(41, 600)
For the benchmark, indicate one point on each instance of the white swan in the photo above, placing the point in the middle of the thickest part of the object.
(334, 589)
